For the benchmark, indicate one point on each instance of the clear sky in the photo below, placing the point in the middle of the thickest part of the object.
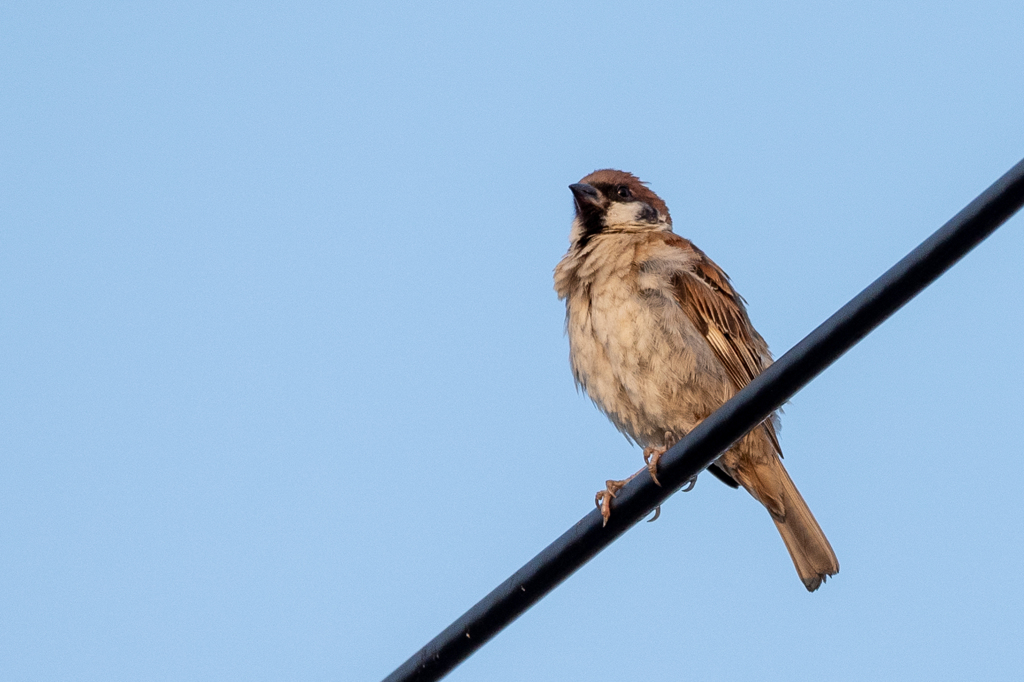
(283, 381)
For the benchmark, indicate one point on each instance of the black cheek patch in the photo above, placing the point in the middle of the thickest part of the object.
(648, 214)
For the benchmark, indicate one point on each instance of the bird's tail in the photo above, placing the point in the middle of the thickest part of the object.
(769, 482)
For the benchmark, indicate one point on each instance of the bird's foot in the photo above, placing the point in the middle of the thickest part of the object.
(651, 456)
(603, 499)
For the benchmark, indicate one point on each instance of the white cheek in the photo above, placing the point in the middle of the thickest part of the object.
(625, 213)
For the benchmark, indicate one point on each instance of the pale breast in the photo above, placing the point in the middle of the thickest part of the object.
(634, 351)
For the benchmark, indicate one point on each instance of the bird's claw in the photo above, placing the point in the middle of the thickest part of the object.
(651, 457)
(603, 499)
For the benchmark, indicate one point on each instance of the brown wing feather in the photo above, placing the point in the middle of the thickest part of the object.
(708, 299)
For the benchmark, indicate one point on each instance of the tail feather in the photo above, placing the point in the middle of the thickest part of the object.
(769, 482)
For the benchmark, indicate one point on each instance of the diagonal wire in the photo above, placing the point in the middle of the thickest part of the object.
(691, 455)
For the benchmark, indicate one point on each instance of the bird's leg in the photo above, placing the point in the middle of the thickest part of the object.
(652, 454)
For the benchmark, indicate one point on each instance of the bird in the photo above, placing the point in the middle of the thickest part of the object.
(659, 339)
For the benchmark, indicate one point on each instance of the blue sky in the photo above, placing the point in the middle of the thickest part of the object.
(285, 386)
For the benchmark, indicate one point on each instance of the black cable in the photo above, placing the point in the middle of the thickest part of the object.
(714, 435)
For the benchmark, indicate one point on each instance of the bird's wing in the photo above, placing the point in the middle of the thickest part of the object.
(705, 294)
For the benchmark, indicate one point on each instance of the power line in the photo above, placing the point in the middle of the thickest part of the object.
(714, 435)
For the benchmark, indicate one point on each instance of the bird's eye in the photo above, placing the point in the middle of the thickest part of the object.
(624, 192)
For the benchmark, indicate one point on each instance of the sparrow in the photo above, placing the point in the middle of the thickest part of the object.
(659, 339)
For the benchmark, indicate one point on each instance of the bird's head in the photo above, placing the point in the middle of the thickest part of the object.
(613, 201)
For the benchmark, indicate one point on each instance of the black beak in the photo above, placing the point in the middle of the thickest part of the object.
(584, 193)
(588, 199)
